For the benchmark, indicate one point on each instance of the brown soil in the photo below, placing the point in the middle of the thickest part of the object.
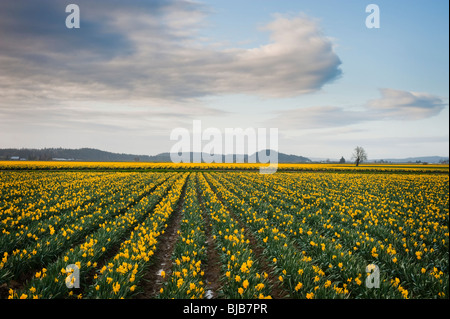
(212, 265)
(20, 281)
(152, 281)
(4, 288)
(277, 290)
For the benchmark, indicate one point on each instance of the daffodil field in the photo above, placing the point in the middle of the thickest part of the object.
(149, 231)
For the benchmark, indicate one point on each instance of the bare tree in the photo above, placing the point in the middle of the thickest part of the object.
(359, 155)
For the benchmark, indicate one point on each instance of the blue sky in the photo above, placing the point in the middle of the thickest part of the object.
(136, 70)
(409, 52)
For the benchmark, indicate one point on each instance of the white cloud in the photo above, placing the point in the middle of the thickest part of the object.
(397, 104)
(154, 53)
(393, 105)
(139, 68)
(298, 60)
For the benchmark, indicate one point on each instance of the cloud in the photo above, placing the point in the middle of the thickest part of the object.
(150, 50)
(35, 32)
(139, 68)
(393, 105)
(103, 117)
(317, 117)
(404, 105)
(298, 60)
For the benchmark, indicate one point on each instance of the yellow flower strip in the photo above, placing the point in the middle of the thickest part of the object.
(51, 282)
(185, 279)
(49, 248)
(242, 279)
(119, 277)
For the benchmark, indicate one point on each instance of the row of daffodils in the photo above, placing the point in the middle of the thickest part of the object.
(90, 234)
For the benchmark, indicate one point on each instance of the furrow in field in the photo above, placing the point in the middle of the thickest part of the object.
(212, 266)
(151, 282)
(183, 276)
(277, 291)
(331, 238)
(243, 276)
(295, 270)
(49, 282)
(43, 228)
(121, 275)
(23, 262)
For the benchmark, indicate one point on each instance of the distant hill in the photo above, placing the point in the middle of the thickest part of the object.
(82, 154)
(254, 158)
(90, 154)
(420, 159)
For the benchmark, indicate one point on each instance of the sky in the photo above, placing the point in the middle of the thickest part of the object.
(134, 71)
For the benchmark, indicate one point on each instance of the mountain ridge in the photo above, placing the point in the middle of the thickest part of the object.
(92, 154)
(416, 159)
